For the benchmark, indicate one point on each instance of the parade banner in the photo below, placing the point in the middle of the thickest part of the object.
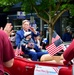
(45, 70)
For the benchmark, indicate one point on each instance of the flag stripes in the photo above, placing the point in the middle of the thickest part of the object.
(56, 45)
(52, 49)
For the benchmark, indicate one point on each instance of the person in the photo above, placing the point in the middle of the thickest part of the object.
(67, 36)
(6, 49)
(47, 34)
(20, 33)
(44, 43)
(37, 40)
(41, 37)
(69, 52)
(12, 39)
(30, 47)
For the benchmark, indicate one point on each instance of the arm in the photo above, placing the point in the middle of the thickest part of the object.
(9, 63)
(7, 49)
(34, 32)
(69, 52)
(17, 39)
(23, 43)
(8, 29)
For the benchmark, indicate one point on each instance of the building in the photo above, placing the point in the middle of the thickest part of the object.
(15, 16)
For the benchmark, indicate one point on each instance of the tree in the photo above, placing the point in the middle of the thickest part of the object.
(48, 10)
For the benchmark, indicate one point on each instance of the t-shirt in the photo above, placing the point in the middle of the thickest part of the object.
(6, 50)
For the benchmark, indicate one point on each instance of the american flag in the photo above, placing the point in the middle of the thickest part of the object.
(18, 51)
(56, 45)
(55, 37)
(56, 69)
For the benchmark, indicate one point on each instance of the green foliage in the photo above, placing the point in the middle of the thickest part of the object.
(64, 6)
(71, 9)
(43, 7)
(6, 9)
(52, 13)
(8, 2)
(40, 5)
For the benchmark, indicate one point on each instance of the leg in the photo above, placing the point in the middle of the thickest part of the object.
(52, 59)
(33, 55)
(46, 57)
(39, 54)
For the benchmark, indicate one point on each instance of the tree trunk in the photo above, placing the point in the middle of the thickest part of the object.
(50, 29)
(50, 33)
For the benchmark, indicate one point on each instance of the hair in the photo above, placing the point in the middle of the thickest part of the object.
(65, 30)
(25, 21)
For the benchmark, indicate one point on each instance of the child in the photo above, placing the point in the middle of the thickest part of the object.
(28, 41)
(30, 47)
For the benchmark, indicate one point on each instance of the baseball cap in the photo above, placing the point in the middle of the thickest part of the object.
(27, 33)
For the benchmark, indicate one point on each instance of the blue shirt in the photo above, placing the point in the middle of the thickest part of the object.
(67, 37)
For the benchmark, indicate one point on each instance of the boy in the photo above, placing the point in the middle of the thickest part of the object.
(30, 47)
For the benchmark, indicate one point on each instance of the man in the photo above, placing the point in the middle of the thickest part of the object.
(67, 36)
(25, 27)
(6, 49)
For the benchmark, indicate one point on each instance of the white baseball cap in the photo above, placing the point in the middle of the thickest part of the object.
(27, 33)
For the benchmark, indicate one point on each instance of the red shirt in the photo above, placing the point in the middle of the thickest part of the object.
(6, 50)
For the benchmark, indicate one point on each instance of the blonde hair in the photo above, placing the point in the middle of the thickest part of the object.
(25, 21)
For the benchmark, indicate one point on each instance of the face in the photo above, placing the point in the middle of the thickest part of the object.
(28, 37)
(25, 25)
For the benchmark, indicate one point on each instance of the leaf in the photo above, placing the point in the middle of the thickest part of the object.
(6, 9)
(63, 6)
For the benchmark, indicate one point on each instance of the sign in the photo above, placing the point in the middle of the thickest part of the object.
(32, 19)
(46, 70)
(20, 15)
(45, 26)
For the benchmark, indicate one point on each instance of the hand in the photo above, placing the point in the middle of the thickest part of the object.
(31, 45)
(8, 29)
(40, 47)
(33, 29)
